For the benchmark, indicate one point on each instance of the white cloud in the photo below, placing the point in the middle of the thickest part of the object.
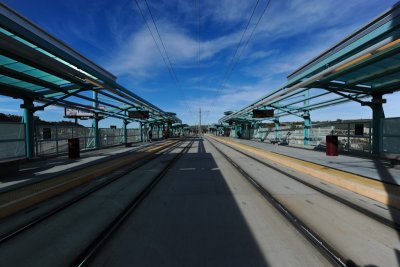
(139, 56)
(10, 110)
(9, 100)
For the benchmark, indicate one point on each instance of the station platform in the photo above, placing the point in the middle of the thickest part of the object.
(371, 178)
(46, 167)
(376, 169)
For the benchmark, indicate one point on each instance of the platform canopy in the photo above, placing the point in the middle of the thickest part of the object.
(35, 65)
(363, 65)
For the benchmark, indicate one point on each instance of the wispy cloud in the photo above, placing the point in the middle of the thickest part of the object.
(10, 110)
(290, 34)
(8, 100)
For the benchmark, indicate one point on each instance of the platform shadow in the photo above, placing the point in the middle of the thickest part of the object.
(191, 219)
(394, 212)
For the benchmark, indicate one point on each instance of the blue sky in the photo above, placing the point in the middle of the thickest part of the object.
(114, 35)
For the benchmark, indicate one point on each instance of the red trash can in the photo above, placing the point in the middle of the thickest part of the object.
(73, 148)
(332, 145)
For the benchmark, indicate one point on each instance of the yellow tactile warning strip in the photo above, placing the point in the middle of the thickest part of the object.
(379, 191)
(22, 198)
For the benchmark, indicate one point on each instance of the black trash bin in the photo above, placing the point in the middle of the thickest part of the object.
(332, 145)
(73, 148)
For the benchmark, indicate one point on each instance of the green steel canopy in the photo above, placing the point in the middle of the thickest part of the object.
(35, 65)
(363, 65)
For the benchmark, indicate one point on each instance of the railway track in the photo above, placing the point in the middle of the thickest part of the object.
(23, 196)
(84, 258)
(317, 236)
(329, 252)
(167, 159)
(102, 182)
(331, 195)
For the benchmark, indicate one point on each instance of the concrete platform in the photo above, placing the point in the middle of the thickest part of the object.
(376, 169)
(43, 168)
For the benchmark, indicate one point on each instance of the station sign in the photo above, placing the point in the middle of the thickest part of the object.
(75, 113)
(46, 133)
(263, 113)
(359, 129)
(138, 114)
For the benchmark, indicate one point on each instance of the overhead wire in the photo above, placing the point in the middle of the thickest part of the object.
(175, 77)
(232, 65)
(227, 71)
(165, 57)
(252, 33)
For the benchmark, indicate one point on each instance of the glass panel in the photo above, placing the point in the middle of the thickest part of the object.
(12, 149)
(12, 140)
(391, 135)
(391, 145)
(5, 60)
(391, 126)
(20, 67)
(12, 131)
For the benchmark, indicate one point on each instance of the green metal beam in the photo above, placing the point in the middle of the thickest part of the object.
(29, 127)
(16, 92)
(27, 55)
(373, 58)
(55, 101)
(375, 75)
(354, 43)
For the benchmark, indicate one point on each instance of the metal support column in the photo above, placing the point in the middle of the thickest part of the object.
(377, 115)
(29, 128)
(141, 132)
(307, 126)
(277, 126)
(95, 121)
(125, 128)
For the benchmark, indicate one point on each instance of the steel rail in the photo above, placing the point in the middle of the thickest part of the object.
(317, 241)
(341, 200)
(22, 228)
(86, 256)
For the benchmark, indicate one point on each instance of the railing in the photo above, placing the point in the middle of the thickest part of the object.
(350, 139)
(352, 136)
(54, 139)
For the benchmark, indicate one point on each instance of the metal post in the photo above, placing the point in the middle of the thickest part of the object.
(307, 125)
(125, 128)
(56, 139)
(141, 132)
(348, 137)
(369, 138)
(95, 125)
(29, 128)
(95, 121)
(277, 126)
(377, 115)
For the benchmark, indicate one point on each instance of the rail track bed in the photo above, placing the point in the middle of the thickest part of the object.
(198, 203)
